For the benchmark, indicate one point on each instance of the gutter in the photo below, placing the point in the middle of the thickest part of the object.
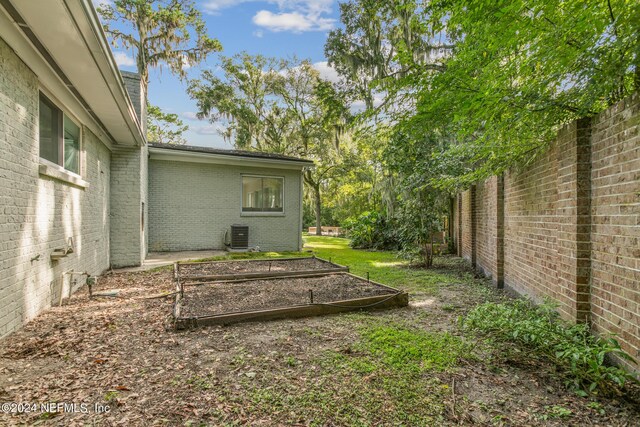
(100, 36)
(229, 159)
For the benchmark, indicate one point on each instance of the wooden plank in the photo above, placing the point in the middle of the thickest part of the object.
(400, 299)
(265, 275)
(374, 283)
(247, 260)
(177, 306)
(262, 260)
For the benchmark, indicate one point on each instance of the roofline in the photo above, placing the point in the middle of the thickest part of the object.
(231, 158)
(101, 37)
(35, 44)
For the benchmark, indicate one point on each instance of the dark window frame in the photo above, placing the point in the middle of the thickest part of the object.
(264, 211)
(61, 115)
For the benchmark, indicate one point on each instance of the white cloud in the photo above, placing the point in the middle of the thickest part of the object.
(258, 33)
(294, 21)
(185, 63)
(213, 129)
(326, 71)
(359, 106)
(214, 6)
(292, 15)
(189, 115)
(124, 60)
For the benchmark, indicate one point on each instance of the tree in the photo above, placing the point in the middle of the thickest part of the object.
(279, 106)
(244, 102)
(508, 73)
(381, 44)
(164, 128)
(520, 70)
(160, 32)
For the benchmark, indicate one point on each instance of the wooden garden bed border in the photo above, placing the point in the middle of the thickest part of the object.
(261, 274)
(396, 298)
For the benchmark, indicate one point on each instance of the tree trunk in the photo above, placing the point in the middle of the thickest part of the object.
(318, 209)
(427, 255)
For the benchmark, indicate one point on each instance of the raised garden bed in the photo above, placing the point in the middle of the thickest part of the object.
(276, 298)
(248, 269)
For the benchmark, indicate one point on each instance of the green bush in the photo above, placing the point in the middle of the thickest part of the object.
(579, 353)
(371, 230)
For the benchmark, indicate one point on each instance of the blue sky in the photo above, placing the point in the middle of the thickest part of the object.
(278, 28)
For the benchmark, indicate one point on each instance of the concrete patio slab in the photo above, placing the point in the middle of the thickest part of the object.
(160, 259)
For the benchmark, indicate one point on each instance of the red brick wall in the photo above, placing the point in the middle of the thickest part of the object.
(567, 226)
(615, 223)
(489, 221)
(456, 223)
(531, 225)
(466, 247)
(484, 217)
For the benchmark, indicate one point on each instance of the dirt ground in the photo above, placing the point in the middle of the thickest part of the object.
(237, 267)
(225, 297)
(121, 354)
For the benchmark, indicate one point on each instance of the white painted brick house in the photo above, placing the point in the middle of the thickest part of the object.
(76, 171)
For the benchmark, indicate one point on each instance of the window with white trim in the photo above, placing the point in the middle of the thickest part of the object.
(262, 194)
(59, 136)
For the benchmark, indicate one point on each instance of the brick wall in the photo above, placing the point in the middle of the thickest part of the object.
(128, 193)
(193, 204)
(570, 227)
(615, 223)
(530, 224)
(137, 95)
(466, 226)
(39, 213)
(489, 223)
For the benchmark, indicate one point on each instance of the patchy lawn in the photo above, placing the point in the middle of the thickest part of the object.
(411, 366)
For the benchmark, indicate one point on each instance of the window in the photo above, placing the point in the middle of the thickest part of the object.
(262, 194)
(59, 137)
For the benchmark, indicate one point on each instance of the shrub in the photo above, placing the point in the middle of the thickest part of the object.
(579, 353)
(371, 230)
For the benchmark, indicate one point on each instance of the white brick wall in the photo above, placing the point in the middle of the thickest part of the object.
(193, 204)
(128, 192)
(38, 213)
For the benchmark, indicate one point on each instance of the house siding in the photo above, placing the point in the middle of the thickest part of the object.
(38, 213)
(193, 204)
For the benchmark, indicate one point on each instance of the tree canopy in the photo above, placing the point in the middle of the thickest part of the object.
(167, 33)
(164, 128)
(493, 80)
(279, 106)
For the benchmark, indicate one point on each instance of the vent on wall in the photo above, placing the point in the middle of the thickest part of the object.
(239, 236)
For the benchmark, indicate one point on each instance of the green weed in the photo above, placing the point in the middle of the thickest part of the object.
(579, 353)
(410, 349)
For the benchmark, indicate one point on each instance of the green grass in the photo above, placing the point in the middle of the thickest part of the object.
(383, 266)
(385, 378)
(411, 349)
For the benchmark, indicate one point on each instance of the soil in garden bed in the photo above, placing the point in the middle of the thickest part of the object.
(226, 297)
(239, 267)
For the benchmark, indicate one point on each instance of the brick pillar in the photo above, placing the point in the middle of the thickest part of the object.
(574, 213)
(138, 96)
(499, 245)
(128, 206)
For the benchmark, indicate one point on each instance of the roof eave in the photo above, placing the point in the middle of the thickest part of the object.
(158, 153)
